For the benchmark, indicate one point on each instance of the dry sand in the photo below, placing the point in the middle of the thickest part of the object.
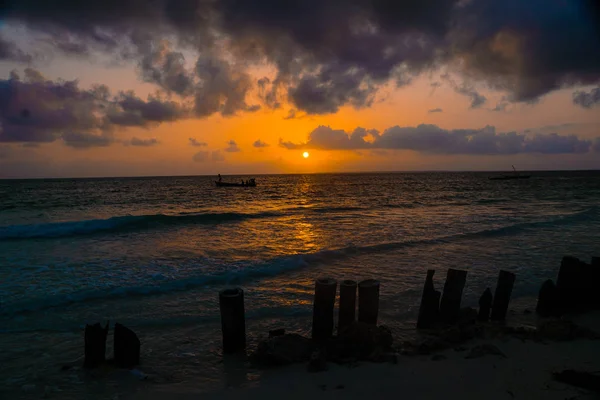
(525, 373)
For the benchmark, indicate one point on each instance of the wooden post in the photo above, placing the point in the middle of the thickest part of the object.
(568, 282)
(595, 281)
(126, 347)
(233, 320)
(368, 301)
(347, 304)
(430, 304)
(506, 280)
(451, 298)
(485, 305)
(95, 345)
(324, 303)
(548, 301)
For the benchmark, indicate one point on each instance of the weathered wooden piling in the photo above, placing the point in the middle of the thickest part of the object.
(570, 283)
(506, 280)
(233, 320)
(451, 298)
(126, 347)
(548, 300)
(595, 281)
(324, 302)
(485, 305)
(368, 301)
(347, 312)
(95, 345)
(430, 304)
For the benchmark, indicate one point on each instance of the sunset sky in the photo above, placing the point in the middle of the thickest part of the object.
(166, 87)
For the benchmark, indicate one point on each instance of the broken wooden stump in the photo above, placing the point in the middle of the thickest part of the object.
(430, 304)
(233, 320)
(451, 298)
(504, 288)
(569, 282)
(126, 347)
(324, 302)
(548, 300)
(95, 345)
(347, 313)
(368, 301)
(595, 281)
(485, 305)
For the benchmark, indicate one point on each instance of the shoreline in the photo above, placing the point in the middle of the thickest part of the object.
(523, 370)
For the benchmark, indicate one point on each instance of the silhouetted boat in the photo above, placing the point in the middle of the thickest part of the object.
(251, 183)
(516, 175)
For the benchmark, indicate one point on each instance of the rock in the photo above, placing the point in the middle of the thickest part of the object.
(548, 300)
(452, 335)
(126, 347)
(431, 345)
(361, 341)
(283, 350)
(317, 362)
(276, 332)
(438, 357)
(485, 349)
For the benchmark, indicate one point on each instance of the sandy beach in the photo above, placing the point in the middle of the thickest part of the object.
(525, 373)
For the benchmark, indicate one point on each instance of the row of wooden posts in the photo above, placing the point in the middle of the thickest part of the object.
(233, 323)
(575, 287)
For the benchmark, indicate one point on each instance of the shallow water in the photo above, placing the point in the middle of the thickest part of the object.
(152, 253)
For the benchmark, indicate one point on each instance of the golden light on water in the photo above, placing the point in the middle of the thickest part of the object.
(305, 154)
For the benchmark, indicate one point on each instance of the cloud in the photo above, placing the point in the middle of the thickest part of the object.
(203, 156)
(142, 142)
(10, 52)
(435, 140)
(195, 143)
(327, 54)
(291, 114)
(37, 110)
(82, 140)
(587, 99)
(467, 89)
(232, 147)
(435, 110)
(260, 144)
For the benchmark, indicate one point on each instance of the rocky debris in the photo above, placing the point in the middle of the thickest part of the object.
(582, 379)
(283, 350)
(276, 332)
(559, 329)
(361, 341)
(485, 349)
(317, 361)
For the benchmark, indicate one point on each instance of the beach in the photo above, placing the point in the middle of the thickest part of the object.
(525, 373)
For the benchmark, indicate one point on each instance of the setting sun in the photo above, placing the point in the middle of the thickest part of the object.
(305, 154)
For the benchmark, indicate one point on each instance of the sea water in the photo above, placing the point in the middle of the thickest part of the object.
(153, 253)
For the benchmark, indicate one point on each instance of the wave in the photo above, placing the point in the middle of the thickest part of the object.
(281, 265)
(120, 224)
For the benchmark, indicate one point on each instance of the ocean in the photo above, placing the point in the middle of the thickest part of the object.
(153, 253)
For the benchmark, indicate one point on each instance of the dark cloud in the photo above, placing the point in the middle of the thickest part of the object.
(37, 110)
(587, 99)
(291, 114)
(195, 143)
(81, 140)
(260, 144)
(142, 142)
(232, 147)
(435, 110)
(10, 52)
(435, 140)
(467, 89)
(329, 53)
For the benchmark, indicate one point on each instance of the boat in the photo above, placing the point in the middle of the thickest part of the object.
(251, 183)
(516, 175)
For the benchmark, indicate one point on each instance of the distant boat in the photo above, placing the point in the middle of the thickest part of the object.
(250, 183)
(516, 175)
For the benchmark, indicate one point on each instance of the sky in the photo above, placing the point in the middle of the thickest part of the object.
(200, 87)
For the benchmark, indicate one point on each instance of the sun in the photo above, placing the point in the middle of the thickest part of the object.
(305, 154)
